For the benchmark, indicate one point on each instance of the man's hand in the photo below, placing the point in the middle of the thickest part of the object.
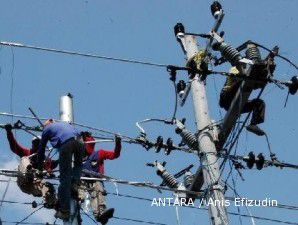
(39, 174)
(117, 139)
(8, 127)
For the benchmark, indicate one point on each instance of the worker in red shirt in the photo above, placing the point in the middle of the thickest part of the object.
(28, 183)
(94, 162)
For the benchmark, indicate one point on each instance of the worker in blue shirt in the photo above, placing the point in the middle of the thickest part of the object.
(64, 137)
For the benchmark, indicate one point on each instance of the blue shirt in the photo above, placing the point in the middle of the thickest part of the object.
(91, 163)
(57, 133)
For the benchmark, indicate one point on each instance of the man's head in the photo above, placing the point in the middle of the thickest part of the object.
(48, 122)
(87, 137)
(35, 143)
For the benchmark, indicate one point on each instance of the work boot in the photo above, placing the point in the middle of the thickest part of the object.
(104, 217)
(255, 129)
(63, 215)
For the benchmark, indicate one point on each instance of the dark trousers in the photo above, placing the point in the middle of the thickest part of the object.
(69, 174)
(256, 106)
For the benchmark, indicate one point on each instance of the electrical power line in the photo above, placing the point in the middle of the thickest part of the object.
(234, 138)
(281, 206)
(36, 210)
(30, 223)
(19, 45)
(138, 221)
(125, 219)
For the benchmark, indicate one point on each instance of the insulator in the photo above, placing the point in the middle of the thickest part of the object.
(169, 147)
(189, 139)
(260, 161)
(229, 53)
(188, 179)
(215, 8)
(158, 144)
(34, 204)
(253, 53)
(293, 87)
(179, 29)
(169, 179)
(181, 85)
(250, 160)
(221, 34)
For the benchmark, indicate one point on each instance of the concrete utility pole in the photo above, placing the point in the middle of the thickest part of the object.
(66, 114)
(206, 146)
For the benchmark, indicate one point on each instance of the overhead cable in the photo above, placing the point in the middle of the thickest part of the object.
(19, 45)
(281, 206)
(31, 223)
(138, 221)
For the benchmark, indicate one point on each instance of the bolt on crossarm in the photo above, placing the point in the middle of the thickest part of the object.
(206, 146)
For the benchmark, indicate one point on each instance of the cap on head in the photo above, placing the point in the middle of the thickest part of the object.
(49, 121)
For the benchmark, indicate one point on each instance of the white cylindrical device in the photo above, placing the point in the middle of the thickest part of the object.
(66, 108)
(66, 114)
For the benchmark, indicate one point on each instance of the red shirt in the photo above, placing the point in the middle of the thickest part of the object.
(16, 147)
(22, 151)
(102, 153)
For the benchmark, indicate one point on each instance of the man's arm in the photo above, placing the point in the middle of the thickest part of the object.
(50, 164)
(42, 148)
(14, 145)
(104, 154)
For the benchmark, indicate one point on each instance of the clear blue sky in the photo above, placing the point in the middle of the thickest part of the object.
(114, 95)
